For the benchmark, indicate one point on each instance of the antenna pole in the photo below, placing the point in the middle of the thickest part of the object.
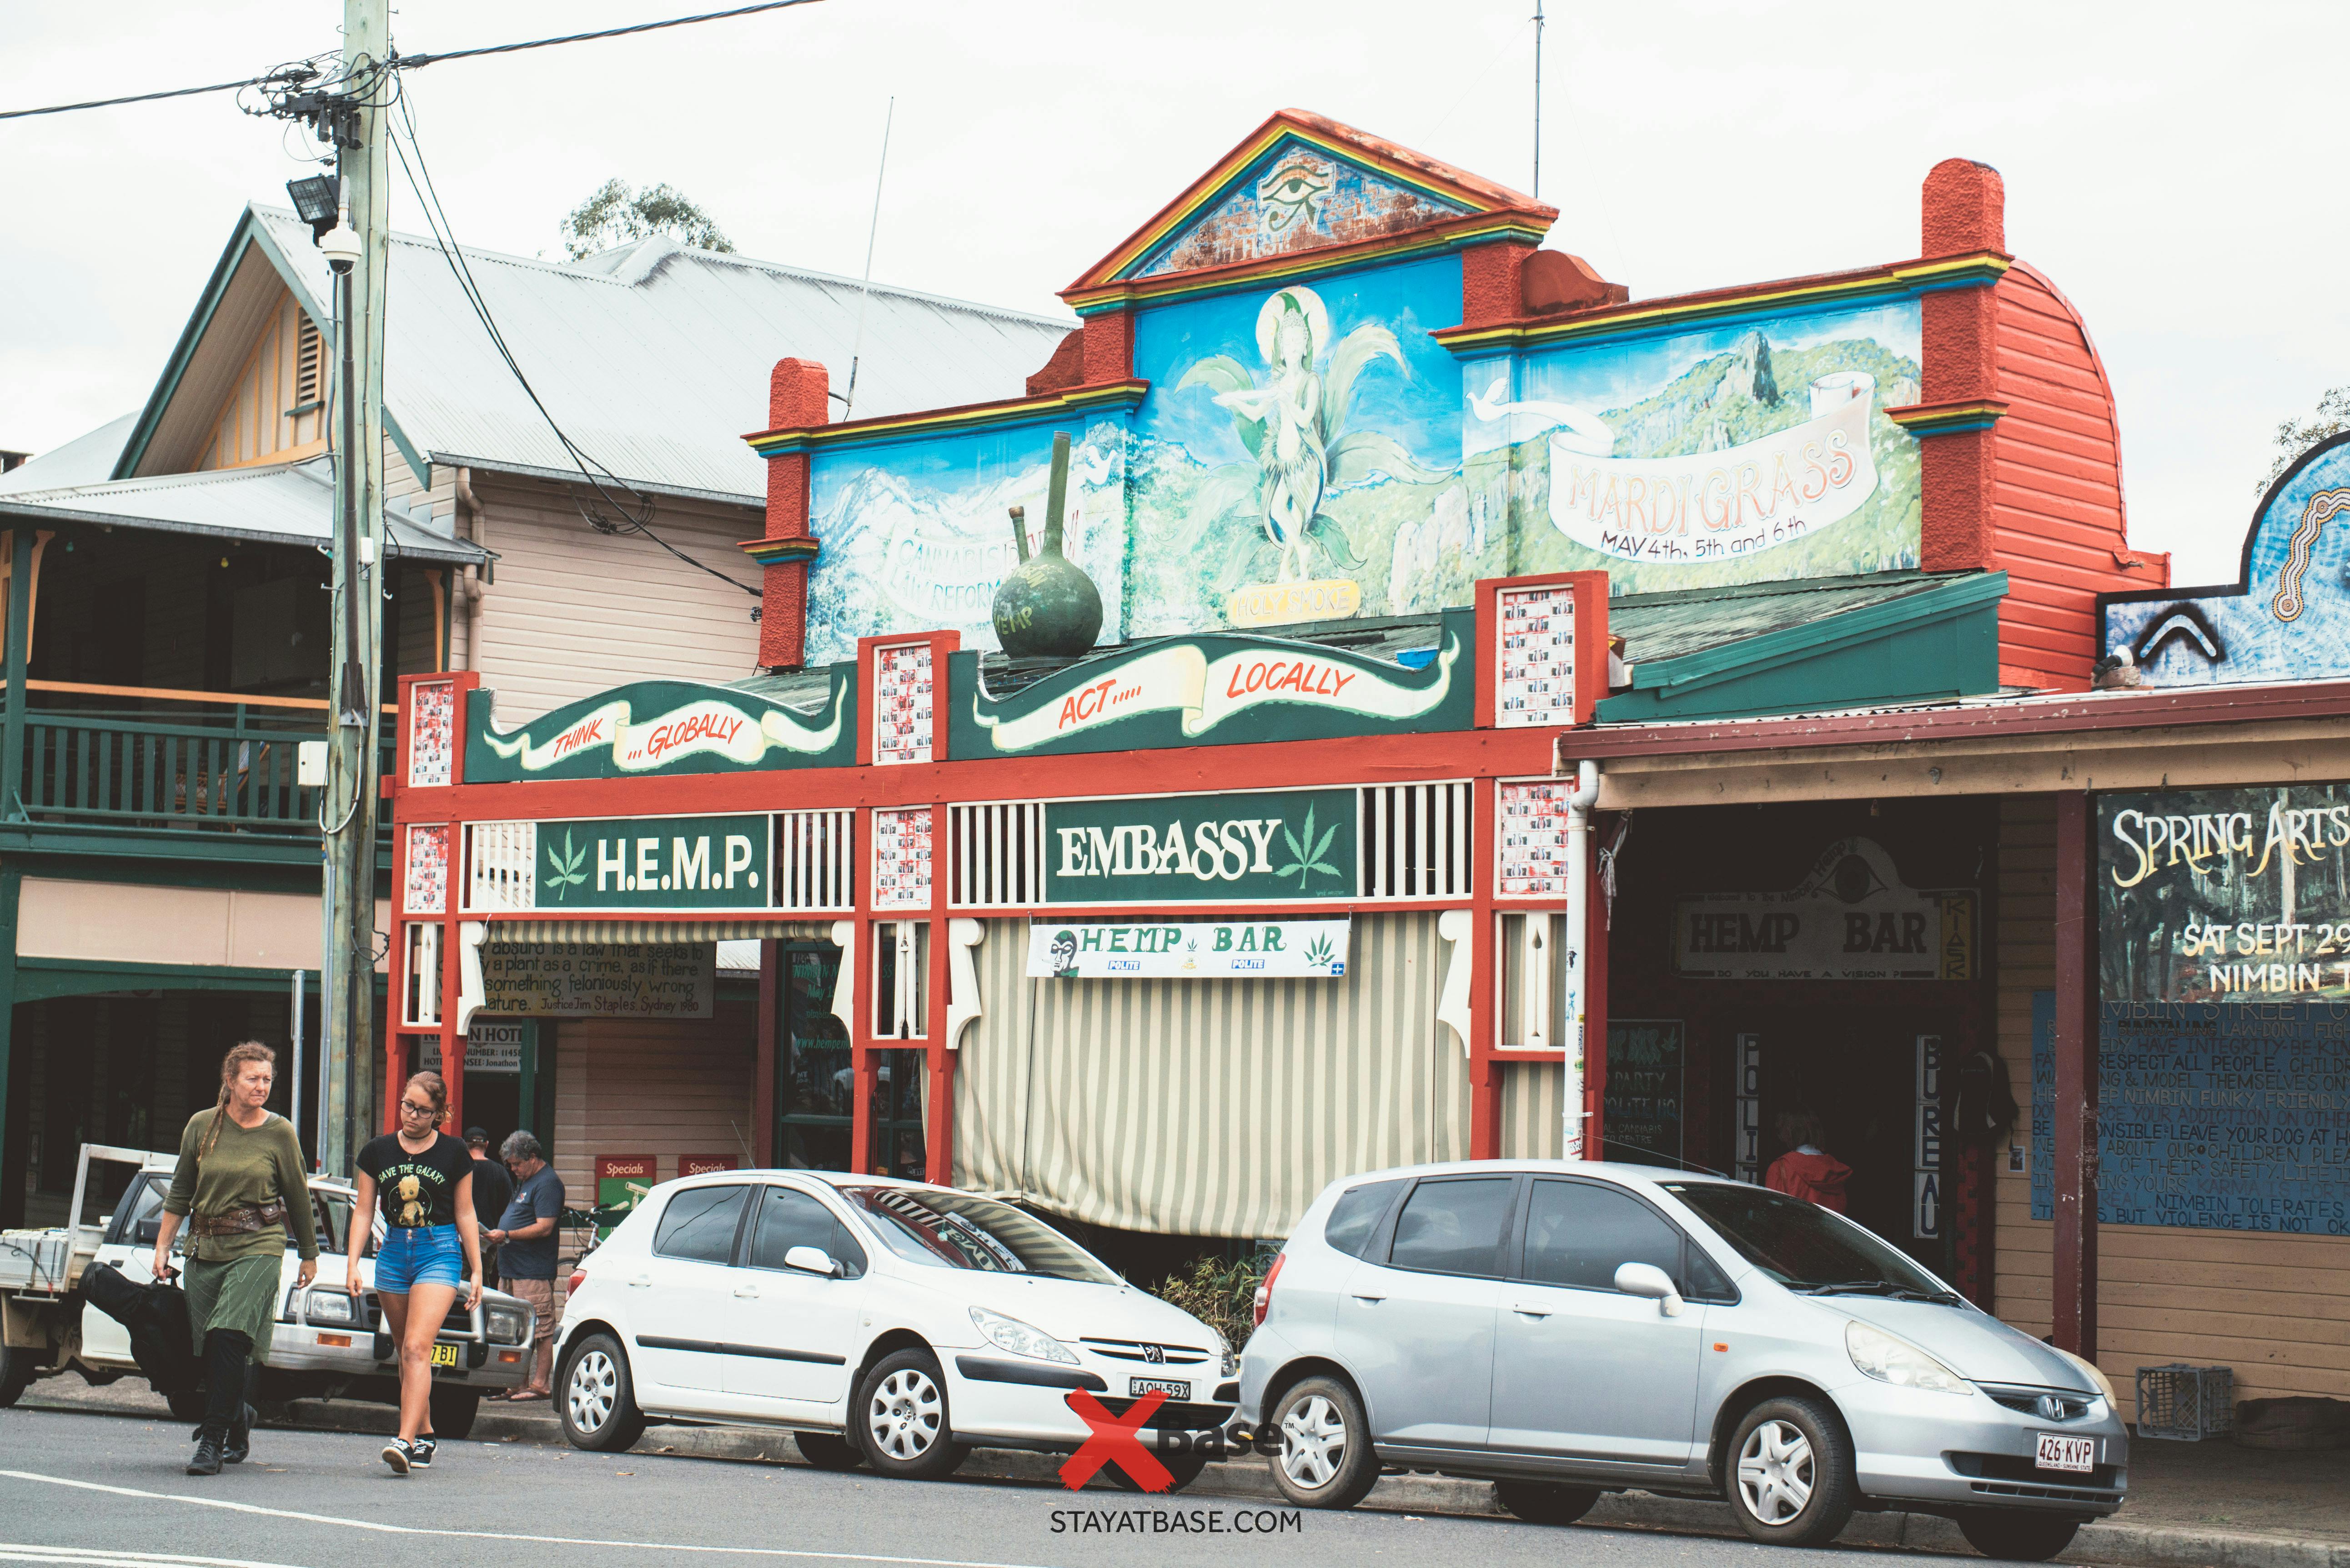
(1538, 33)
(856, 345)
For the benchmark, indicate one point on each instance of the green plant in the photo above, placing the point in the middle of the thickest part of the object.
(1306, 855)
(1220, 1293)
(615, 215)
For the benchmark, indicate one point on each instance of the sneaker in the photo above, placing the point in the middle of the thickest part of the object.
(420, 1452)
(400, 1456)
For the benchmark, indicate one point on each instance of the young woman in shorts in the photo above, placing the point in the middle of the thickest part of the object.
(421, 1179)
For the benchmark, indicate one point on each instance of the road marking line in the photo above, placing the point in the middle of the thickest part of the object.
(503, 1535)
(93, 1557)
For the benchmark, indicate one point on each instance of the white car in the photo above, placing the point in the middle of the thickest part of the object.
(886, 1321)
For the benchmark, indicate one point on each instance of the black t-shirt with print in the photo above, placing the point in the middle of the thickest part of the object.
(415, 1189)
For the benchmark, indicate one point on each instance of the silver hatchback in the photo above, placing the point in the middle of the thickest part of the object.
(1566, 1330)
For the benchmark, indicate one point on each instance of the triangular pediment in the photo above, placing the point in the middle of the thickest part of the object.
(1301, 184)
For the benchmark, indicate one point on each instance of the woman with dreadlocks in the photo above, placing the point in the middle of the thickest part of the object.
(240, 1187)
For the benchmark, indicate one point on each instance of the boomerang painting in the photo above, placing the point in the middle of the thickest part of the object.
(2288, 618)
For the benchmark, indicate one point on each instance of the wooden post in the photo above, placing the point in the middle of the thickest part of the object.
(12, 774)
(2075, 1176)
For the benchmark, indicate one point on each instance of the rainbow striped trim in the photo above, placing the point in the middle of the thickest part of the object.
(782, 552)
(970, 415)
(1948, 418)
(1902, 278)
(1452, 233)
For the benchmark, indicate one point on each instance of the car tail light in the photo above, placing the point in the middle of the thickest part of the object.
(578, 1277)
(1264, 1291)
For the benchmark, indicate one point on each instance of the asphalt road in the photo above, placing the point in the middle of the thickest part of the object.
(93, 1489)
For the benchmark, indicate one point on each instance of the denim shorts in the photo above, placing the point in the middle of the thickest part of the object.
(415, 1255)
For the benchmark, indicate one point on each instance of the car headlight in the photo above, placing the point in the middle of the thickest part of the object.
(330, 1306)
(2089, 1370)
(1225, 1358)
(1019, 1339)
(1898, 1362)
(506, 1324)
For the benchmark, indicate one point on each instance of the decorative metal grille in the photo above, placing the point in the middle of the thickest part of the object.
(815, 860)
(998, 858)
(1416, 841)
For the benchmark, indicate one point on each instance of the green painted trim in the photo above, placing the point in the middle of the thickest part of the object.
(42, 979)
(1941, 642)
(246, 234)
(121, 870)
(416, 463)
(599, 728)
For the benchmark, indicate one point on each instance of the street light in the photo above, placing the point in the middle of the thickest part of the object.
(315, 201)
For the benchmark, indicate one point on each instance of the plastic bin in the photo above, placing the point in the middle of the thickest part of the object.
(2185, 1404)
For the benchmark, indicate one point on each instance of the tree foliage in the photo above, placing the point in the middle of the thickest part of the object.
(615, 215)
(2331, 418)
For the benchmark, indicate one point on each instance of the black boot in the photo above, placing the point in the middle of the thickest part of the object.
(239, 1431)
(227, 1355)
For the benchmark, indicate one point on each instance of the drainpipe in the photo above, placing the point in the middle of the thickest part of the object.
(1579, 926)
(470, 584)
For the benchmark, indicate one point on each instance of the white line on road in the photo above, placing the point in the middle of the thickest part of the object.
(91, 1557)
(500, 1535)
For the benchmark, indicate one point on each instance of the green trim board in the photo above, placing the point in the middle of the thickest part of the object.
(41, 978)
(1213, 689)
(663, 727)
(1939, 641)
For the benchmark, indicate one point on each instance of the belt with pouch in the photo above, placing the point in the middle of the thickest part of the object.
(241, 1220)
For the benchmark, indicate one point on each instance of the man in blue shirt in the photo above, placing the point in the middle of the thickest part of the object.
(527, 1246)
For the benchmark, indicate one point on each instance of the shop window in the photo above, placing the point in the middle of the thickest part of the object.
(1415, 841)
(813, 860)
(815, 1084)
(998, 857)
(899, 1090)
(422, 991)
(1531, 973)
(902, 979)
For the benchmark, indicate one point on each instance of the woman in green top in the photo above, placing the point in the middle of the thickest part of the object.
(240, 1175)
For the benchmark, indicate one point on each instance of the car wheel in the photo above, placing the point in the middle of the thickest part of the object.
(1184, 1467)
(453, 1410)
(15, 1374)
(2018, 1537)
(828, 1450)
(1325, 1459)
(1543, 1502)
(902, 1420)
(596, 1399)
(1791, 1481)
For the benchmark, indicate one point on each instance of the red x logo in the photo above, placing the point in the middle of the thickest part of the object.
(1112, 1440)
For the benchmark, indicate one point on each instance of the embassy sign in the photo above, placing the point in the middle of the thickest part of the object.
(1255, 847)
(654, 863)
(664, 727)
(1215, 690)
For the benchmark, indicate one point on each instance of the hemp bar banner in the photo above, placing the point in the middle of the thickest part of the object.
(1237, 950)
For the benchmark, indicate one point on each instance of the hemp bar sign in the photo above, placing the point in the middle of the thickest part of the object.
(653, 863)
(1260, 846)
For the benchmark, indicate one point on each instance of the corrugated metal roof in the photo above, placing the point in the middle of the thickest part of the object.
(654, 358)
(1690, 620)
(85, 460)
(289, 503)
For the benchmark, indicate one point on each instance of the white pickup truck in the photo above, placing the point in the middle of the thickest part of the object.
(324, 1345)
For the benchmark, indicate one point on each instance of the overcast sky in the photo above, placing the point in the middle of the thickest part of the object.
(2175, 170)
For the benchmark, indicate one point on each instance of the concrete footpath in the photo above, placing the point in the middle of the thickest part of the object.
(2208, 1504)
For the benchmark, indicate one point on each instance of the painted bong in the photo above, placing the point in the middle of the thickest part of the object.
(1047, 607)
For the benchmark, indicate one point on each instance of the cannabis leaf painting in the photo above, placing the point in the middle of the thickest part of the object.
(570, 867)
(1306, 853)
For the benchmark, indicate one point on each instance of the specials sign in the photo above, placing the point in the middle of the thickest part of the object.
(1212, 691)
(1851, 918)
(1251, 950)
(1259, 847)
(654, 863)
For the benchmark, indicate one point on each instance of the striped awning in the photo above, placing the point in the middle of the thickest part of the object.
(637, 933)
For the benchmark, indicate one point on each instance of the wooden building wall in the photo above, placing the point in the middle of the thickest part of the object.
(276, 411)
(662, 1087)
(2275, 1308)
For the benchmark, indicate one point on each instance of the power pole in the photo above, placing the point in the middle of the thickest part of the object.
(346, 978)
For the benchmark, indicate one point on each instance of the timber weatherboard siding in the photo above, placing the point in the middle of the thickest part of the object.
(2275, 1308)
(2056, 487)
(658, 1087)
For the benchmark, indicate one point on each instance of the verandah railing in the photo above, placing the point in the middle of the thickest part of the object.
(231, 764)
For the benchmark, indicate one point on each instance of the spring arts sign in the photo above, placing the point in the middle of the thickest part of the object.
(1257, 846)
(664, 727)
(1251, 950)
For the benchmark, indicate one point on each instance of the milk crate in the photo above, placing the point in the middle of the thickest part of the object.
(2185, 1404)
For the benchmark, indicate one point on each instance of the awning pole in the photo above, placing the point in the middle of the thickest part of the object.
(1578, 932)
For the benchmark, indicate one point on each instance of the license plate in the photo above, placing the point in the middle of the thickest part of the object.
(444, 1355)
(2060, 1453)
(1139, 1386)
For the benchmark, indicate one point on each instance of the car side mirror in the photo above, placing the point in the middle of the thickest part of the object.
(812, 1261)
(146, 1232)
(1648, 1280)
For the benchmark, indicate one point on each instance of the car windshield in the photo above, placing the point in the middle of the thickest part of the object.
(1802, 1245)
(959, 1231)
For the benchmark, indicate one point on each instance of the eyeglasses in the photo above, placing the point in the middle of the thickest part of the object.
(413, 1109)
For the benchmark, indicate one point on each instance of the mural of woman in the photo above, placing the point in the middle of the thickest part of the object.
(1291, 330)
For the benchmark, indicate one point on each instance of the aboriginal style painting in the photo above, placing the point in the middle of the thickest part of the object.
(2288, 618)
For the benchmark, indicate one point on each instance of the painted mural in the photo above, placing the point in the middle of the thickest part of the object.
(2289, 616)
(1296, 197)
(918, 535)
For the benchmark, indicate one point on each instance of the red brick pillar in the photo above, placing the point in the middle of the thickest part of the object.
(1961, 214)
(798, 398)
(1108, 348)
(1491, 286)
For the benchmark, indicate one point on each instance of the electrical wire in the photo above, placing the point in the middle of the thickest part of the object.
(130, 98)
(417, 62)
(638, 520)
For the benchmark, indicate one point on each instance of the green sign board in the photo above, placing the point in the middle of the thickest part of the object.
(665, 727)
(1261, 847)
(654, 863)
